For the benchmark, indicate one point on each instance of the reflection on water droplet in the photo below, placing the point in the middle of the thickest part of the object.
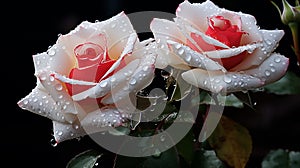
(156, 153)
(53, 142)
(267, 73)
(132, 81)
(227, 79)
(188, 57)
(277, 59)
(162, 138)
(180, 51)
(51, 52)
(103, 84)
(58, 87)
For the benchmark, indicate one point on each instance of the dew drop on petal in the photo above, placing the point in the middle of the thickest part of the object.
(272, 69)
(103, 84)
(277, 59)
(51, 52)
(267, 73)
(188, 57)
(58, 87)
(180, 51)
(227, 79)
(132, 81)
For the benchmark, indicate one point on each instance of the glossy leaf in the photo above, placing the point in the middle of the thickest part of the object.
(164, 159)
(86, 159)
(186, 147)
(287, 85)
(232, 143)
(207, 159)
(281, 158)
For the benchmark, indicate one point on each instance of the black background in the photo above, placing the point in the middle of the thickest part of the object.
(29, 27)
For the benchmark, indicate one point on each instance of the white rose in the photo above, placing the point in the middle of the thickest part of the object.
(221, 50)
(84, 80)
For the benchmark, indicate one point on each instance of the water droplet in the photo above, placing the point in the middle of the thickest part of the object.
(156, 153)
(51, 52)
(227, 79)
(132, 81)
(145, 68)
(277, 59)
(180, 51)
(188, 57)
(272, 69)
(25, 102)
(53, 142)
(51, 78)
(58, 87)
(177, 46)
(103, 84)
(60, 133)
(162, 138)
(267, 73)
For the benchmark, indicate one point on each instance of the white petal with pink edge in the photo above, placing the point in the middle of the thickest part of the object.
(41, 103)
(272, 69)
(193, 58)
(59, 93)
(217, 81)
(164, 30)
(269, 43)
(62, 131)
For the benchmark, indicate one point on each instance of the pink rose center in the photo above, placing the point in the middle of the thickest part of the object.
(93, 62)
(224, 31)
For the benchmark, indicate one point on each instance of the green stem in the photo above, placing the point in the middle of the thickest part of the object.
(294, 28)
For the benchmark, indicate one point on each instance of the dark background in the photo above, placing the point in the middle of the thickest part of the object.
(29, 28)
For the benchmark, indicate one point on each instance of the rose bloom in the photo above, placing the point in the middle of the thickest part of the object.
(219, 50)
(88, 80)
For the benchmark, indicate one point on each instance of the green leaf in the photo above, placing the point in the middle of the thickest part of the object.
(185, 147)
(281, 158)
(86, 159)
(166, 159)
(232, 143)
(207, 159)
(289, 84)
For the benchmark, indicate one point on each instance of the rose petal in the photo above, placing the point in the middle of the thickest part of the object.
(194, 58)
(207, 39)
(59, 93)
(103, 119)
(270, 41)
(164, 30)
(227, 53)
(197, 13)
(272, 69)
(127, 50)
(39, 102)
(105, 86)
(56, 59)
(62, 131)
(217, 81)
(117, 30)
(84, 32)
(248, 25)
(140, 78)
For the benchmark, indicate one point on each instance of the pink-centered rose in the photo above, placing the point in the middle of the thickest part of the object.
(87, 80)
(221, 50)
